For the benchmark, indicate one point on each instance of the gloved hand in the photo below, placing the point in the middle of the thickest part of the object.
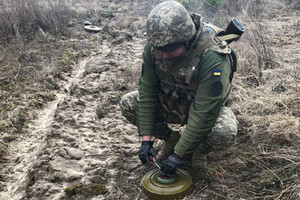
(170, 165)
(147, 152)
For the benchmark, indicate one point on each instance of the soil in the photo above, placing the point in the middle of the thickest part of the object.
(81, 137)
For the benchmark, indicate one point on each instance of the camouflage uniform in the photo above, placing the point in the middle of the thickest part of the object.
(128, 104)
(221, 136)
(194, 94)
(169, 29)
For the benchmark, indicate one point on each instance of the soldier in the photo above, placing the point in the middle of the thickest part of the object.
(183, 81)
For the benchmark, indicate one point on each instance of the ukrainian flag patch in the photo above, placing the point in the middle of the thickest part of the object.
(217, 72)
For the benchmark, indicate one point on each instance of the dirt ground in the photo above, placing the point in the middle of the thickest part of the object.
(81, 136)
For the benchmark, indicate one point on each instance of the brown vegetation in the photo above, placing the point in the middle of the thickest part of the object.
(23, 19)
(42, 41)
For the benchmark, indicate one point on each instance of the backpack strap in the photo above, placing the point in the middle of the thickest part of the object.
(233, 60)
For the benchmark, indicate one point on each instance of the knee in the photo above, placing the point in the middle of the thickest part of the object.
(224, 132)
(128, 101)
(226, 124)
(221, 139)
(127, 104)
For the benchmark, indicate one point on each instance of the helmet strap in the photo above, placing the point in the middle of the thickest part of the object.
(189, 43)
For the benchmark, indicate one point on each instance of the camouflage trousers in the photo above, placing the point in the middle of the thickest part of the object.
(222, 135)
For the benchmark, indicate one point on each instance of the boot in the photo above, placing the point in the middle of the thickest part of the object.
(199, 158)
(168, 147)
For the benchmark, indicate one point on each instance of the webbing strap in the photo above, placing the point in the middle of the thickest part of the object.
(216, 40)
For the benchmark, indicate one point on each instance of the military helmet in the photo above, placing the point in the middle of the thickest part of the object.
(168, 23)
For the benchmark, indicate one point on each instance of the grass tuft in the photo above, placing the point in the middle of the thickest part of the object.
(25, 18)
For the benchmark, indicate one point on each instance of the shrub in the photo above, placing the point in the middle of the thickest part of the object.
(24, 18)
(109, 13)
(185, 3)
(260, 44)
(295, 4)
(212, 4)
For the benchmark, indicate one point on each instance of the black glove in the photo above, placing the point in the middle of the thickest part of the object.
(170, 165)
(147, 152)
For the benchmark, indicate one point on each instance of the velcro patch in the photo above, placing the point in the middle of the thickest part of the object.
(217, 72)
(208, 29)
(216, 88)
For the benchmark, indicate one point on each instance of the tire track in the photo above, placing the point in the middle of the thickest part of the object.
(68, 143)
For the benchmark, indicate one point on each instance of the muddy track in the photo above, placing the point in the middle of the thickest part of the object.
(81, 136)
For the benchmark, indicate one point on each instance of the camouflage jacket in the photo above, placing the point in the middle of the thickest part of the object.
(193, 94)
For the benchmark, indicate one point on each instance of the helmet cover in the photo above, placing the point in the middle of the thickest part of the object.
(169, 22)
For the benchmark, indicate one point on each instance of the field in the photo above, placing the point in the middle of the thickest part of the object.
(62, 134)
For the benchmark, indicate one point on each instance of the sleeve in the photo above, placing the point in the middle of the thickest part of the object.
(214, 72)
(147, 102)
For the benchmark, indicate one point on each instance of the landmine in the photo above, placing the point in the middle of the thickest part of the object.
(157, 188)
(89, 27)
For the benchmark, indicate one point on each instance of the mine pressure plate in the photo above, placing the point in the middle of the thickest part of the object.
(156, 187)
(92, 28)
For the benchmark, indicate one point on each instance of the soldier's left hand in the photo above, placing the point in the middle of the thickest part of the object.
(170, 165)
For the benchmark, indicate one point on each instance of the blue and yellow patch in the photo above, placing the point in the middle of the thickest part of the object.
(217, 72)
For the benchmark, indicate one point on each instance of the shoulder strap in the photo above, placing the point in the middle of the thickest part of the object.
(215, 40)
(233, 60)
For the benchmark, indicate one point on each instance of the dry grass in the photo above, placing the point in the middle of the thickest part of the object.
(263, 163)
(221, 12)
(294, 4)
(24, 18)
(34, 55)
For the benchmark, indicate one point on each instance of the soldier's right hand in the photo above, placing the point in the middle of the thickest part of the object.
(147, 153)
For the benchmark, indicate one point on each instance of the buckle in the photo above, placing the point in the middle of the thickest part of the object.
(216, 40)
